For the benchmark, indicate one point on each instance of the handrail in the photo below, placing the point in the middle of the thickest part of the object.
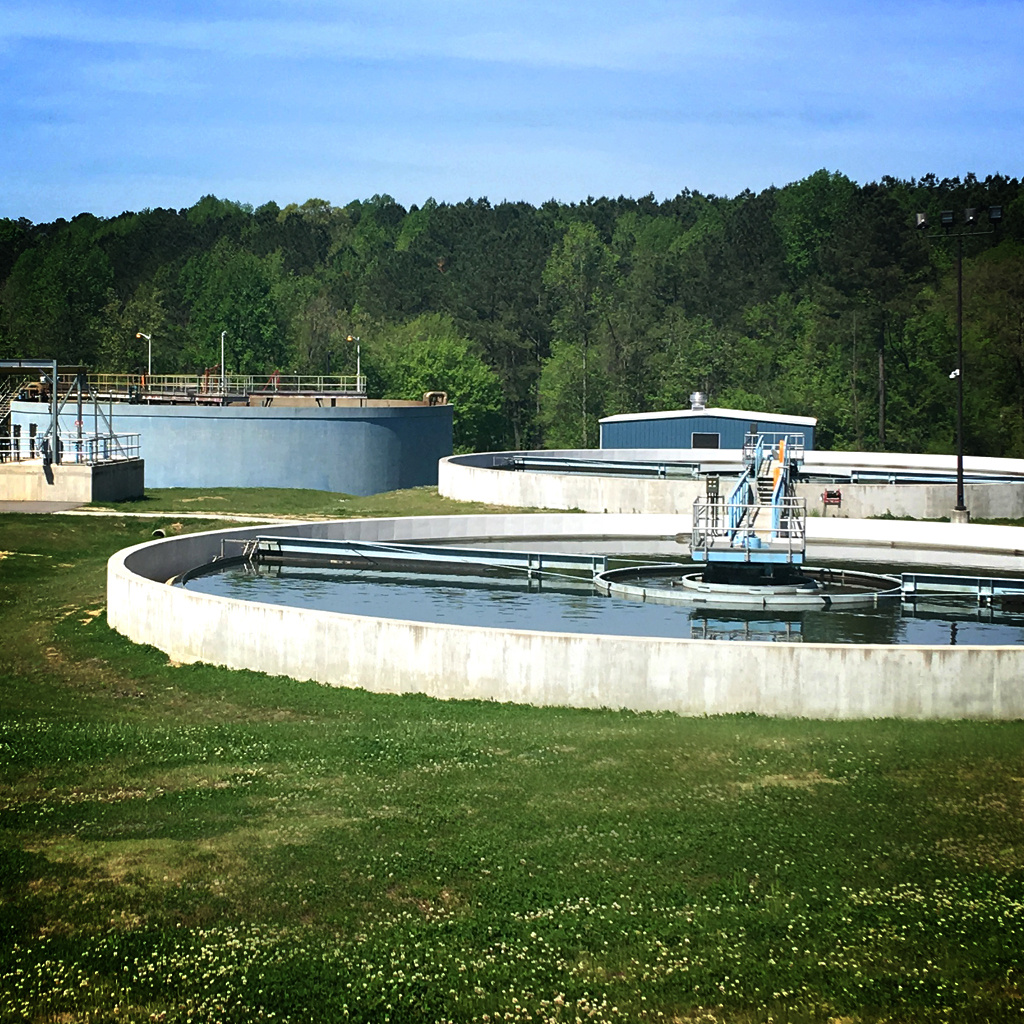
(223, 384)
(795, 443)
(7, 390)
(84, 450)
(713, 529)
(663, 470)
(131, 384)
(778, 496)
(331, 552)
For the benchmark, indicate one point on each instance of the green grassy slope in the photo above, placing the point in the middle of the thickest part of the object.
(194, 844)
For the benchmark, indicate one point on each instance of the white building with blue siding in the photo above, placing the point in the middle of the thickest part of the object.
(699, 428)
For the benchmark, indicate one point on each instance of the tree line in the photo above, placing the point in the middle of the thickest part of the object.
(819, 298)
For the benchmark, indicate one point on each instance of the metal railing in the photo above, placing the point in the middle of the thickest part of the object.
(308, 550)
(758, 446)
(760, 520)
(599, 467)
(87, 450)
(733, 526)
(227, 384)
(7, 392)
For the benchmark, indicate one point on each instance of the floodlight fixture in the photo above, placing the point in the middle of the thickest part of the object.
(149, 338)
(946, 219)
(359, 363)
(922, 221)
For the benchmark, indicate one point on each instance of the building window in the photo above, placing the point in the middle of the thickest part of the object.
(704, 440)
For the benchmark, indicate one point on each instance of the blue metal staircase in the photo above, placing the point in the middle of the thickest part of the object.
(761, 521)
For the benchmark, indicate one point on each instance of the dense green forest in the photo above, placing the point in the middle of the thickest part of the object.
(820, 298)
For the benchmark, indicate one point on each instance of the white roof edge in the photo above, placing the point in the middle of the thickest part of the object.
(734, 414)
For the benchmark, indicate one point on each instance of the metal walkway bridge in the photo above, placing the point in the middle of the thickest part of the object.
(373, 554)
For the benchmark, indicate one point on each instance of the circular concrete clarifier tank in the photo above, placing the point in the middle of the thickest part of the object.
(609, 480)
(687, 676)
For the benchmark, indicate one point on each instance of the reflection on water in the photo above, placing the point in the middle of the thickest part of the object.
(564, 604)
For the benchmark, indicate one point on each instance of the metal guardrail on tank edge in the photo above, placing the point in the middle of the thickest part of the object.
(600, 467)
(86, 450)
(218, 384)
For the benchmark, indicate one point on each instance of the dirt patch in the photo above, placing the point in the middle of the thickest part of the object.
(445, 903)
(805, 780)
(983, 853)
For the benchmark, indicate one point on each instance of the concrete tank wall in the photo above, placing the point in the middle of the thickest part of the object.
(474, 478)
(690, 677)
(350, 450)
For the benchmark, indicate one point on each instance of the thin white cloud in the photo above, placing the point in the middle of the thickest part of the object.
(599, 36)
(522, 99)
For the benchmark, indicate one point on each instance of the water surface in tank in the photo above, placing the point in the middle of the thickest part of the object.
(567, 605)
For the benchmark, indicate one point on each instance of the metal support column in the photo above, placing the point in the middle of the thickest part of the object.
(54, 416)
(960, 504)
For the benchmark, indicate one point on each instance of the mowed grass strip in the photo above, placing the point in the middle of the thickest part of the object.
(302, 504)
(193, 844)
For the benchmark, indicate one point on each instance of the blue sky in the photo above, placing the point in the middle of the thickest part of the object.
(107, 106)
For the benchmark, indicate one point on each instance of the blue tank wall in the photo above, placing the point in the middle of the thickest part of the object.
(668, 432)
(352, 450)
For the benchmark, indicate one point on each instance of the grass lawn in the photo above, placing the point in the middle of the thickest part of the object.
(415, 501)
(195, 844)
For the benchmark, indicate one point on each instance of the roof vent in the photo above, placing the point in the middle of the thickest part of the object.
(697, 399)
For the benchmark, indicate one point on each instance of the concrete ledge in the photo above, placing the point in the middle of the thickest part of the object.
(111, 481)
(689, 677)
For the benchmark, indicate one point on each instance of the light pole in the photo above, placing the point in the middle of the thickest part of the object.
(223, 377)
(358, 361)
(149, 338)
(947, 219)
